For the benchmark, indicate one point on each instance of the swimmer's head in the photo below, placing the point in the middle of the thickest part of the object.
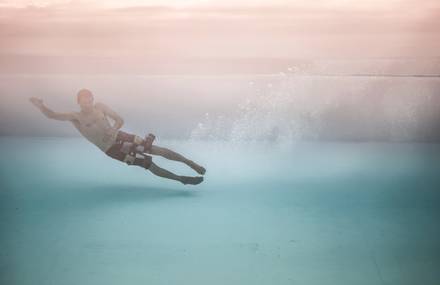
(85, 99)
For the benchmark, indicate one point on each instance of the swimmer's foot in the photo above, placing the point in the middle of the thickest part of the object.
(191, 180)
(199, 169)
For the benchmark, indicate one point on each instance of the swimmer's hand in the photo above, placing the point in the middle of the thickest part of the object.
(37, 102)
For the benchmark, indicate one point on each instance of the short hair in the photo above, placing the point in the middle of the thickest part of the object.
(83, 93)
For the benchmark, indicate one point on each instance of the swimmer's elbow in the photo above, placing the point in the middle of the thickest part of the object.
(50, 115)
(119, 123)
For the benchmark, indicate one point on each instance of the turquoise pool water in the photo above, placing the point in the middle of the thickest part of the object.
(304, 213)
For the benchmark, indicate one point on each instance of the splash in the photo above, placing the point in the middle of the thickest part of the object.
(295, 106)
(277, 114)
(279, 109)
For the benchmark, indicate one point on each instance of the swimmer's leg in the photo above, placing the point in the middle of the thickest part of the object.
(172, 155)
(156, 170)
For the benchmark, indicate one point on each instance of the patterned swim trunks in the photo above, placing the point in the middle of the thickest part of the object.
(131, 149)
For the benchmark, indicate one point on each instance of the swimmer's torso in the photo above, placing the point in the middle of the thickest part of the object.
(96, 128)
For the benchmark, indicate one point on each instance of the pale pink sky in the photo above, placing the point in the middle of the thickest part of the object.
(214, 28)
(127, 3)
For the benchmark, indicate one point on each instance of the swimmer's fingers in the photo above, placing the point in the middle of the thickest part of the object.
(38, 102)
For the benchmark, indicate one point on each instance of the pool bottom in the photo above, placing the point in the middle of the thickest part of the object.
(308, 213)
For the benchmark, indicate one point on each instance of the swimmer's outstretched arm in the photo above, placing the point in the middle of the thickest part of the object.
(49, 113)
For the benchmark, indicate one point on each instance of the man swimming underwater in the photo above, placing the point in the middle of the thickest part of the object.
(92, 122)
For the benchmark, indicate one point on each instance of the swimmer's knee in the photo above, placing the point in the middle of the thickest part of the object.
(144, 161)
(153, 167)
(158, 150)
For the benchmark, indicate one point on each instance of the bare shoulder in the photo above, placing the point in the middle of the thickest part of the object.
(106, 110)
(101, 106)
(74, 116)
